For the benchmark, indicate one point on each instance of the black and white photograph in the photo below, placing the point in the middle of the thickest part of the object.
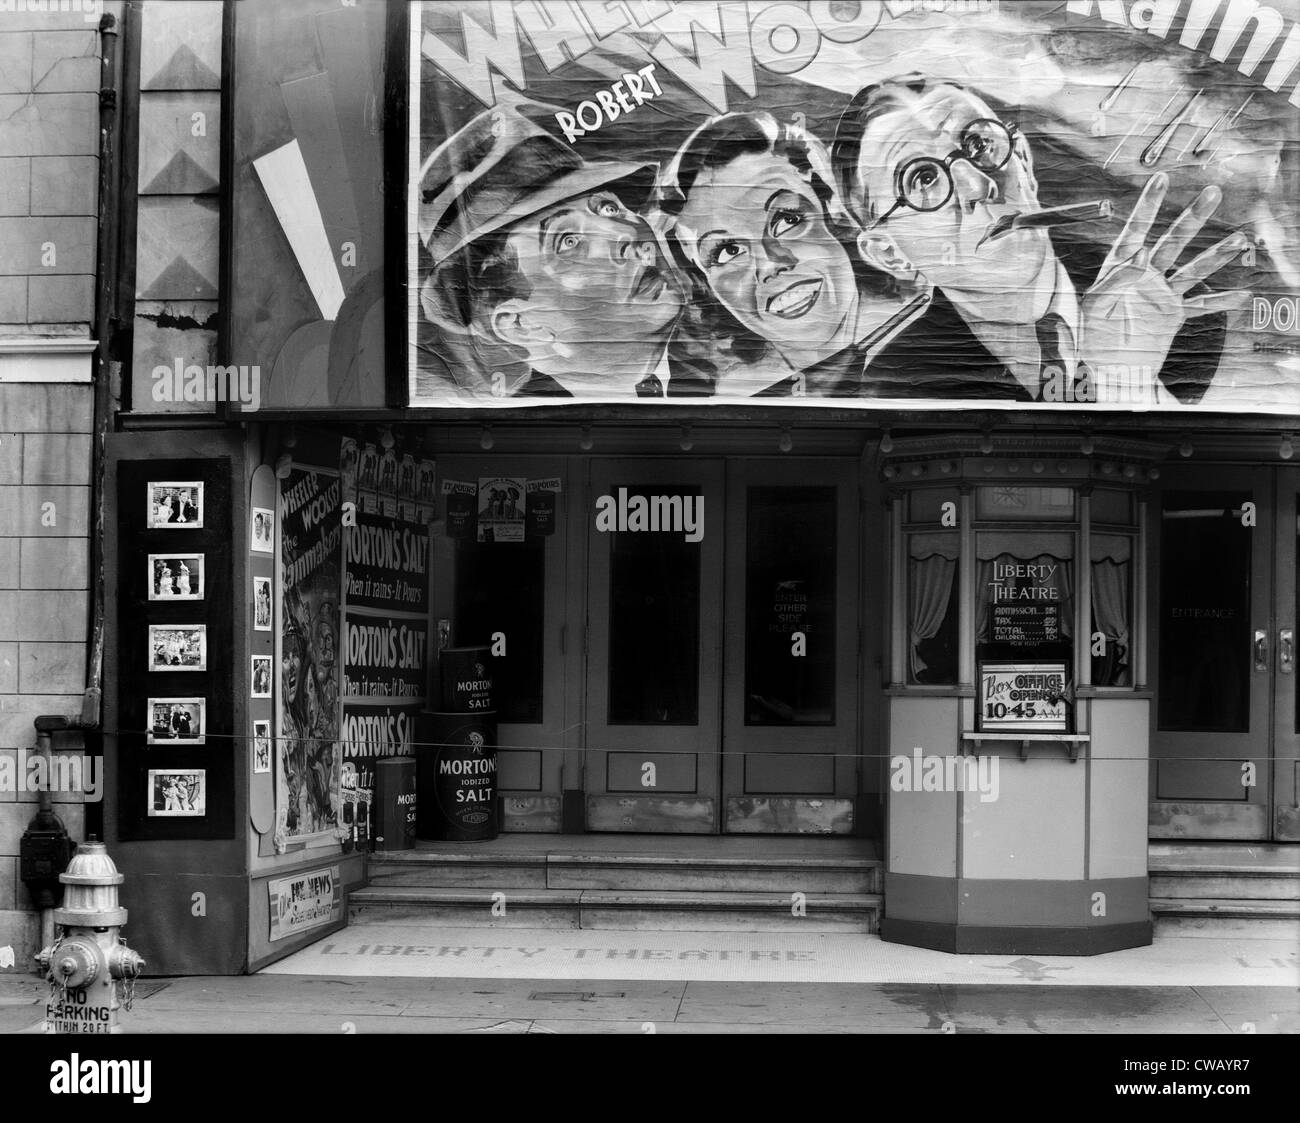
(177, 793)
(261, 747)
(178, 647)
(261, 604)
(177, 721)
(261, 534)
(757, 518)
(261, 676)
(175, 505)
(175, 577)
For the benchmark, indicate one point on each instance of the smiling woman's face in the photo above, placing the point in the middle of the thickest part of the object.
(758, 233)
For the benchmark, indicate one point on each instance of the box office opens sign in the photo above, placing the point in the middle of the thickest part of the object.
(1064, 205)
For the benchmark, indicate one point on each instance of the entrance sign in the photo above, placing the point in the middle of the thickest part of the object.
(1023, 698)
(1066, 206)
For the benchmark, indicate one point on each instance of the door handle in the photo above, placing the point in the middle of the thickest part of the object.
(1286, 651)
(1261, 650)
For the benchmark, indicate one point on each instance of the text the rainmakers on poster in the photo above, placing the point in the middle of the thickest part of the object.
(1059, 205)
(308, 772)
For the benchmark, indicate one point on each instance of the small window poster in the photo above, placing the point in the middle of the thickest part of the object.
(1024, 698)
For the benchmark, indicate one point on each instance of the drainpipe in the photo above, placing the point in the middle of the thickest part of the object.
(105, 324)
(45, 848)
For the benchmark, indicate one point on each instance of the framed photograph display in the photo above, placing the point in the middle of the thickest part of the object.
(178, 647)
(177, 721)
(261, 676)
(174, 505)
(175, 576)
(261, 604)
(261, 746)
(177, 793)
(261, 530)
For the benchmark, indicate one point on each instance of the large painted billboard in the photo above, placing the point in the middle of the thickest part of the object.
(940, 204)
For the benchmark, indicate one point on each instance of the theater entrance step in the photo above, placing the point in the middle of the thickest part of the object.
(1247, 890)
(650, 883)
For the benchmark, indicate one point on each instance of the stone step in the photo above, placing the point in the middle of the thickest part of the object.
(1236, 885)
(1222, 918)
(1275, 858)
(687, 911)
(620, 872)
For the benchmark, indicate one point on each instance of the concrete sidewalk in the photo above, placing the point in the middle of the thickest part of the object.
(516, 981)
(323, 1005)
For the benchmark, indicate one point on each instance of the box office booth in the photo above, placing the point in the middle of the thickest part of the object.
(1003, 601)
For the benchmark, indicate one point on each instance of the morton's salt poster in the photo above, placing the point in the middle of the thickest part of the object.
(1065, 205)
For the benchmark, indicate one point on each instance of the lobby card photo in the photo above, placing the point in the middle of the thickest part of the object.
(388, 484)
(262, 531)
(368, 480)
(175, 505)
(178, 647)
(261, 676)
(425, 497)
(501, 509)
(261, 604)
(261, 746)
(177, 792)
(175, 576)
(406, 489)
(349, 456)
(177, 721)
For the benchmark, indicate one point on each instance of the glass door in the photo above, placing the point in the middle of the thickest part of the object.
(791, 659)
(1286, 722)
(653, 643)
(1216, 661)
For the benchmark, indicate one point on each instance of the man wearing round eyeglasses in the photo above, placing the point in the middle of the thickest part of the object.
(935, 178)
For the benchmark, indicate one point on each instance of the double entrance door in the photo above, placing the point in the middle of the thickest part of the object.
(1226, 742)
(721, 646)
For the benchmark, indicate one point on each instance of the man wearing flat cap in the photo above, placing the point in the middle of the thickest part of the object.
(539, 255)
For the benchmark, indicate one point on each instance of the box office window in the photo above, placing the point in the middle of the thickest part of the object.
(932, 608)
(1024, 587)
(654, 623)
(1019, 599)
(500, 588)
(1112, 608)
(790, 606)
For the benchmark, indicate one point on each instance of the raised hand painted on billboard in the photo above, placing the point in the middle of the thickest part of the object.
(1071, 204)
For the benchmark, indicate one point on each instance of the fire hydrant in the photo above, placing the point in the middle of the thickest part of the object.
(88, 955)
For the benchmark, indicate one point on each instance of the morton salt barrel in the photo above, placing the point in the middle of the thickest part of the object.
(395, 805)
(456, 776)
(465, 677)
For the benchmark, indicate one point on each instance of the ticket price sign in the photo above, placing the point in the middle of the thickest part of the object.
(1027, 625)
(1023, 698)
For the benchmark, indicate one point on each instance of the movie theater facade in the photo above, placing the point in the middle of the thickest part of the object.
(828, 430)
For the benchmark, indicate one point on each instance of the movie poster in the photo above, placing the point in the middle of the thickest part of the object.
(307, 768)
(1069, 206)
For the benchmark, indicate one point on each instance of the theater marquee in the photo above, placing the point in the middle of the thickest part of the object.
(1081, 205)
